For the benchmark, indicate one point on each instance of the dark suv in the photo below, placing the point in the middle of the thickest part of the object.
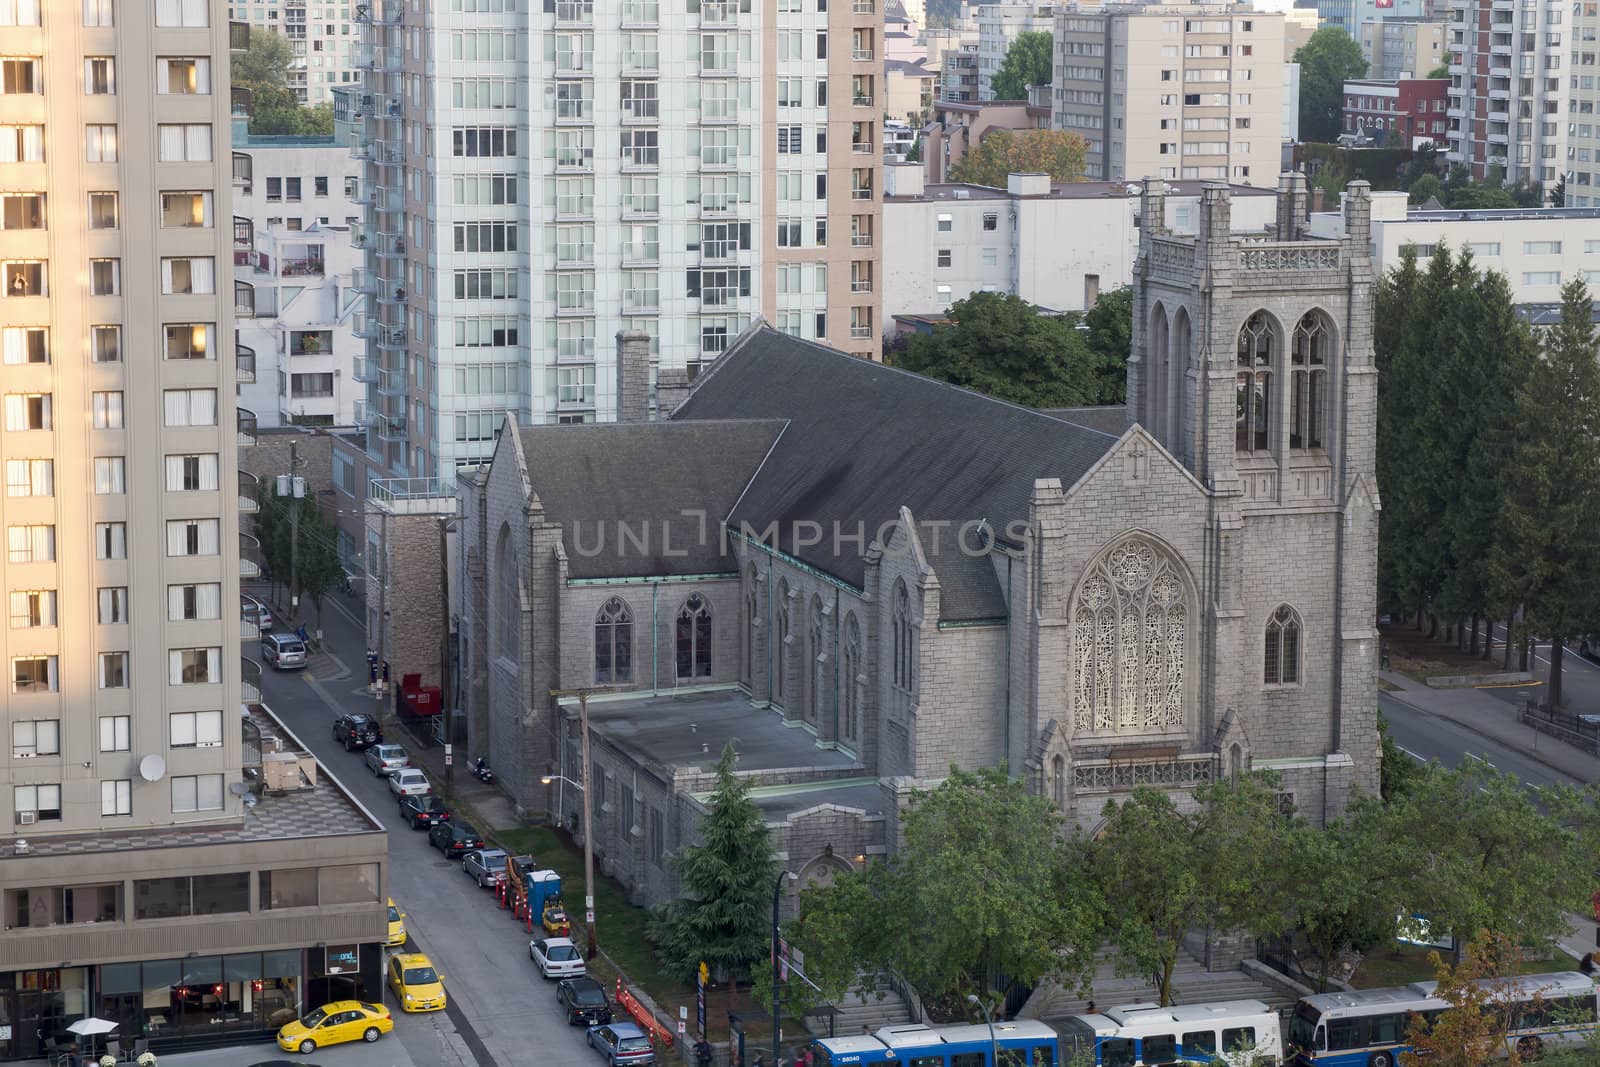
(454, 839)
(356, 732)
(585, 1001)
(422, 810)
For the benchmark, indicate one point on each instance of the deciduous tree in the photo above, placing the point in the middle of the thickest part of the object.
(1343, 898)
(1327, 60)
(1110, 324)
(1483, 1010)
(1004, 152)
(1001, 345)
(1028, 62)
(265, 62)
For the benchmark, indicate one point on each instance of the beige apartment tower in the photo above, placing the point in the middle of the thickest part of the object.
(137, 845)
(1172, 92)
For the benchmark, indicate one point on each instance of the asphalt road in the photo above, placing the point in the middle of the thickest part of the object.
(1428, 737)
(501, 1010)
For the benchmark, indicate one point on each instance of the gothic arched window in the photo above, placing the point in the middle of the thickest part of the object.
(1130, 641)
(694, 638)
(507, 603)
(1308, 368)
(780, 640)
(814, 664)
(851, 681)
(1058, 781)
(902, 637)
(1235, 763)
(613, 642)
(1252, 390)
(1282, 666)
(751, 605)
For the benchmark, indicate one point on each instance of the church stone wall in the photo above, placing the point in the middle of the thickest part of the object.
(580, 604)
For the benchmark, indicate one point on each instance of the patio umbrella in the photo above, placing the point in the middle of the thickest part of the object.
(91, 1028)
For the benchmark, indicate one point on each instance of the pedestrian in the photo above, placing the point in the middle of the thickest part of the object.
(866, 1030)
(1091, 1008)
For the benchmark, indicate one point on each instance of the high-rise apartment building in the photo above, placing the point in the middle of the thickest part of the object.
(1583, 128)
(1402, 47)
(649, 166)
(1190, 91)
(1509, 89)
(1349, 15)
(323, 34)
(998, 26)
(141, 862)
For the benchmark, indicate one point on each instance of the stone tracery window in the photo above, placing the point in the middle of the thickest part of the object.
(1130, 641)
(694, 638)
(613, 642)
(852, 686)
(751, 604)
(781, 641)
(1282, 666)
(814, 664)
(901, 625)
(1252, 390)
(1308, 366)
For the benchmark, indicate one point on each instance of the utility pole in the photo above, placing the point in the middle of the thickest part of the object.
(297, 489)
(446, 711)
(588, 830)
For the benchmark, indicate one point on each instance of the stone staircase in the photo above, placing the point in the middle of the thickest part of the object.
(1191, 984)
(872, 1009)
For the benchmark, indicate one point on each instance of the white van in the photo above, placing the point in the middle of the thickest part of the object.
(1237, 1032)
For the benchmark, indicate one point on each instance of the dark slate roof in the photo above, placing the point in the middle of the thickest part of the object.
(592, 479)
(1107, 418)
(864, 439)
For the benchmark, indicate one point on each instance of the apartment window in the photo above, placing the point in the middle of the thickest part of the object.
(945, 256)
(20, 75)
(27, 411)
(19, 13)
(641, 242)
(198, 474)
(574, 196)
(319, 186)
(194, 666)
(30, 477)
(105, 344)
(191, 407)
(32, 609)
(25, 278)
(181, 13)
(34, 674)
(192, 537)
(21, 144)
(110, 475)
(25, 344)
(39, 737)
(822, 44)
(944, 223)
(184, 142)
(575, 339)
(639, 148)
(1541, 277)
(500, 284)
(790, 140)
(31, 544)
(189, 340)
(639, 100)
(575, 386)
(822, 232)
(484, 141)
(186, 210)
(107, 408)
(1541, 248)
(274, 196)
(190, 602)
(789, 233)
(105, 277)
(291, 190)
(98, 13)
(43, 802)
(195, 729)
(201, 792)
(196, 275)
(311, 385)
(22, 211)
(103, 211)
(100, 75)
(116, 733)
(113, 605)
(110, 540)
(113, 670)
(486, 189)
(100, 142)
(116, 797)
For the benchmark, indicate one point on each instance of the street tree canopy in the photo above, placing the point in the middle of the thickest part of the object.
(1028, 62)
(265, 62)
(1327, 60)
(275, 109)
(1001, 153)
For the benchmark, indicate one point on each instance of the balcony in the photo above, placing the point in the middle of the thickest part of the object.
(863, 148)
(863, 7)
(392, 337)
(249, 493)
(244, 300)
(311, 342)
(243, 172)
(718, 12)
(574, 14)
(239, 102)
(640, 14)
(860, 333)
(861, 285)
(251, 562)
(391, 382)
(388, 293)
(365, 371)
(861, 240)
(861, 55)
(304, 266)
(249, 680)
(380, 12)
(246, 420)
(391, 246)
(863, 192)
(248, 631)
(720, 296)
(861, 99)
(244, 364)
(389, 427)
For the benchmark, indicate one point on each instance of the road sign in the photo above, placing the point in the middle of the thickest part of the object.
(683, 1023)
(783, 960)
(449, 756)
(588, 917)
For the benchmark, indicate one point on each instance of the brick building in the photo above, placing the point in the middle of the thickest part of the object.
(862, 576)
(1413, 106)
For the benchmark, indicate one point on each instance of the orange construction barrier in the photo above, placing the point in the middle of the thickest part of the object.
(643, 1016)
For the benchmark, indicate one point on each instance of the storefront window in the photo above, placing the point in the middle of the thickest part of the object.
(35, 1005)
(356, 883)
(165, 998)
(295, 887)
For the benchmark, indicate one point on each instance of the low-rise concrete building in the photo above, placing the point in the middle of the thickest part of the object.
(999, 24)
(1057, 246)
(958, 127)
(1411, 109)
(909, 89)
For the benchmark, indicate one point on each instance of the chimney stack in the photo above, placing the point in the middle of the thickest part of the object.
(633, 376)
(672, 389)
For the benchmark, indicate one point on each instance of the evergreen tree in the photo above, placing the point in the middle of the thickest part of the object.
(723, 914)
(1550, 484)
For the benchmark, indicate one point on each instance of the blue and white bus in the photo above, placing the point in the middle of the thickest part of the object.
(1019, 1043)
(1236, 1033)
(1367, 1027)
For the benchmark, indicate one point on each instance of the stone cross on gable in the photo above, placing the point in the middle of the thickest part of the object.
(1136, 467)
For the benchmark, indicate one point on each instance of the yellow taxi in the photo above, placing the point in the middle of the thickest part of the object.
(416, 984)
(397, 926)
(335, 1023)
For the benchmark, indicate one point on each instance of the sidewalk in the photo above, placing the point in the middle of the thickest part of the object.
(388, 1052)
(1496, 720)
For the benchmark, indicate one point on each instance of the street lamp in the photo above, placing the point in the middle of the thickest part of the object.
(988, 1019)
(588, 829)
(777, 893)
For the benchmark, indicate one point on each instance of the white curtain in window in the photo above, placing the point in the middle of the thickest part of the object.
(197, 143)
(101, 143)
(113, 605)
(21, 144)
(205, 533)
(207, 472)
(19, 12)
(109, 474)
(99, 13)
(202, 407)
(111, 540)
(31, 544)
(181, 13)
(207, 601)
(210, 657)
(108, 411)
(15, 340)
(114, 733)
(169, 143)
(182, 727)
(208, 792)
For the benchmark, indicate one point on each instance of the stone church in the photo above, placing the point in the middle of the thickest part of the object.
(861, 577)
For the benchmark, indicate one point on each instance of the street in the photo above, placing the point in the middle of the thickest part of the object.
(1429, 737)
(501, 1011)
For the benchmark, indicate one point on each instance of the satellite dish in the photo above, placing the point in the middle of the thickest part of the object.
(152, 768)
(239, 789)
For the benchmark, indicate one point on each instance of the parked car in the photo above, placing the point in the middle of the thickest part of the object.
(386, 759)
(454, 839)
(622, 1043)
(484, 866)
(422, 810)
(335, 1023)
(285, 652)
(397, 927)
(417, 986)
(584, 1000)
(556, 957)
(356, 732)
(254, 610)
(408, 781)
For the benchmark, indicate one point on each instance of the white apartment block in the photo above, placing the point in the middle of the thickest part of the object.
(1583, 126)
(998, 26)
(647, 166)
(323, 33)
(294, 219)
(1058, 246)
(1510, 86)
(1179, 92)
(1537, 249)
